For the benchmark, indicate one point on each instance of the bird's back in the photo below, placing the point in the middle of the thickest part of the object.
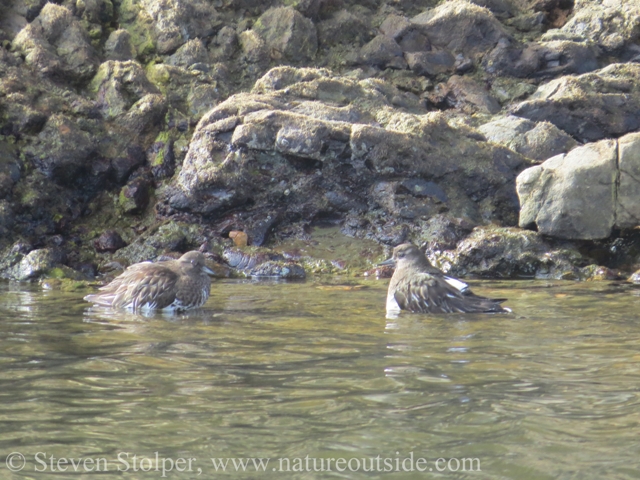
(432, 293)
(142, 286)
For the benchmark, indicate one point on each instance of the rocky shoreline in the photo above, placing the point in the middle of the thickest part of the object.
(503, 136)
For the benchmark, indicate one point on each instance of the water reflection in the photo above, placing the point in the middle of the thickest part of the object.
(315, 368)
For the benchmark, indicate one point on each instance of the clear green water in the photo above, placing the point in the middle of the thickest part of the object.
(282, 370)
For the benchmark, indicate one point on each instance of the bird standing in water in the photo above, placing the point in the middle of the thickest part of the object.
(418, 286)
(170, 285)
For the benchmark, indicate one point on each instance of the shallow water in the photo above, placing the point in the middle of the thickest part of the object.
(307, 372)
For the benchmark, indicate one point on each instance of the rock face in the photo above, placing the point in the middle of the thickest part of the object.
(306, 146)
(574, 195)
(589, 107)
(175, 122)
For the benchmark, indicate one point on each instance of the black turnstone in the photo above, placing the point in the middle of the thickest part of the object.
(170, 285)
(418, 286)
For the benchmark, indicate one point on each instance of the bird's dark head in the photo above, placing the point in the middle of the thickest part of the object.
(407, 254)
(195, 261)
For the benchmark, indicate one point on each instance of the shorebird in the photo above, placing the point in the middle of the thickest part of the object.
(418, 286)
(170, 285)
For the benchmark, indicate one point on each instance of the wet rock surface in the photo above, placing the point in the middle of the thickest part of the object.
(134, 129)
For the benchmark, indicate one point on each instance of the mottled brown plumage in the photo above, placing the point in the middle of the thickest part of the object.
(170, 285)
(418, 286)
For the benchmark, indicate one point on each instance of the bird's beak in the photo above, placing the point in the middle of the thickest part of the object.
(391, 262)
(206, 269)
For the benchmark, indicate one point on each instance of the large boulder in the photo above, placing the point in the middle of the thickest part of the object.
(306, 146)
(628, 195)
(589, 107)
(572, 196)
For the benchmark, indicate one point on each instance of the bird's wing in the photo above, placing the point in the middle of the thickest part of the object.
(454, 282)
(428, 293)
(145, 285)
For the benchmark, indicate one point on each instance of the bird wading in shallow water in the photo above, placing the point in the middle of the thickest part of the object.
(170, 285)
(418, 286)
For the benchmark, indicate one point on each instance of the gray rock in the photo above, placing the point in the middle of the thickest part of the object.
(118, 85)
(604, 103)
(119, 46)
(33, 265)
(383, 52)
(134, 196)
(628, 195)
(546, 59)
(461, 27)
(539, 141)
(609, 24)
(93, 12)
(62, 149)
(225, 43)
(254, 48)
(509, 253)
(194, 51)
(56, 44)
(465, 93)
(430, 63)
(165, 25)
(284, 270)
(500, 8)
(571, 196)
(287, 34)
(395, 26)
(146, 113)
(192, 91)
(109, 241)
(345, 28)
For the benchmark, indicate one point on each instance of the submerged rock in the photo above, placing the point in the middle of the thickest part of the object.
(263, 263)
(509, 253)
(284, 270)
